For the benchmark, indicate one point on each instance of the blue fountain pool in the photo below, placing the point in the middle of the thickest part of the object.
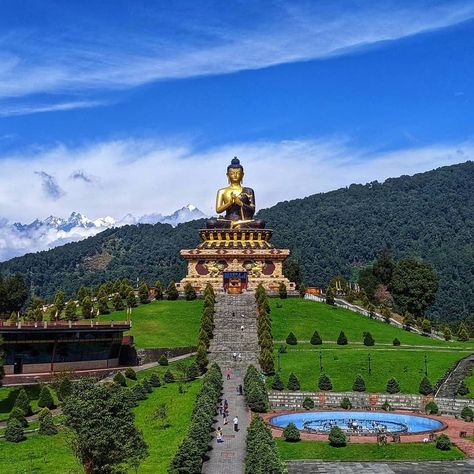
(358, 422)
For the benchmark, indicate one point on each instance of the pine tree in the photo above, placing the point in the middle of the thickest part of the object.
(291, 433)
(463, 389)
(23, 402)
(396, 342)
(266, 361)
(46, 399)
(277, 382)
(342, 339)
(189, 292)
(463, 335)
(447, 333)
(120, 379)
(163, 360)
(158, 290)
(293, 382)
(393, 386)
(337, 438)
(65, 389)
(359, 384)
(86, 306)
(330, 297)
(18, 414)
(143, 294)
(201, 357)
(425, 386)
(59, 302)
(70, 311)
(131, 299)
(14, 432)
(324, 383)
(368, 339)
(192, 372)
(103, 305)
(130, 373)
(282, 291)
(171, 291)
(47, 426)
(291, 339)
(168, 377)
(147, 385)
(316, 339)
(117, 302)
(155, 380)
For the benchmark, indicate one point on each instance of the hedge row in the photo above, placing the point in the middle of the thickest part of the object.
(192, 451)
(256, 395)
(207, 328)
(264, 325)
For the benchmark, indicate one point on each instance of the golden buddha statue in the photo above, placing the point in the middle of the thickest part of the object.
(237, 201)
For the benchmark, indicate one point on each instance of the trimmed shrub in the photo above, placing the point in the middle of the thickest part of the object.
(393, 386)
(431, 408)
(168, 377)
(120, 379)
(342, 339)
(316, 339)
(147, 385)
(65, 389)
(337, 438)
(46, 399)
(443, 442)
(396, 342)
(308, 403)
(14, 432)
(359, 384)
(17, 414)
(171, 291)
(291, 339)
(463, 335)
(282, 291)
(201, 357)
(138, 392)
(291, 433)
(463, 389)
(266, 361)
(192, 372)
(155, 380)
(47, 426)
(386, 406)
(163, 360)
(324, 383)
(293, 382)
(346, 404)
(256, 395)
(368, 339)
(425, 386)
(130, 373)
(277, 383)
(23, 402)
(189, 292)
(467, 414)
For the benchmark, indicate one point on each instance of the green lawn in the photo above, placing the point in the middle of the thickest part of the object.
(364, 452)
(343, 363)
(303, 317)
(52, 455)
(470, 384)
(163, 323)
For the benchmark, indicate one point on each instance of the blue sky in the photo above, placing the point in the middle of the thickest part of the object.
(126, 106)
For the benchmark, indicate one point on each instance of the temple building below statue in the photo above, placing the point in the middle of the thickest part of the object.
(235, 253)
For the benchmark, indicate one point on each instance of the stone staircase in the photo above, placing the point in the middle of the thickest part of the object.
(450, 384)
(233, 312)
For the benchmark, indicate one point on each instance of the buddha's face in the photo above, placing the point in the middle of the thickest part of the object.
(235, 175)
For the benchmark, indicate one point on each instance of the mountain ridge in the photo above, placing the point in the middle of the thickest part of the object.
(429, 215)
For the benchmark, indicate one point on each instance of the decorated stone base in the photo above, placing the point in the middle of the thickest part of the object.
(226, 251)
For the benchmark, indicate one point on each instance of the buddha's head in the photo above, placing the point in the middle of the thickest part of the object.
(235, 171)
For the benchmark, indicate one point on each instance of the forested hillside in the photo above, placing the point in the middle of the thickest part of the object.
(430, 215)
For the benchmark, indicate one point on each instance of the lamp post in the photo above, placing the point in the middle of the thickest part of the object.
(320, 361)
(426, 366)
(278, 360)
(370, 368)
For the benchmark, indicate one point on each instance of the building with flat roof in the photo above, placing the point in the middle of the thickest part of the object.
(46, 347)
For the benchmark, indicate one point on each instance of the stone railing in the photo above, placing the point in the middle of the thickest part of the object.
(286, 400)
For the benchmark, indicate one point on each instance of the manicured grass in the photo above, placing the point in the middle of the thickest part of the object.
(52, 455)
(303, 317)
(364, 452)
(163, 323)
(343, 363)
(470, 384)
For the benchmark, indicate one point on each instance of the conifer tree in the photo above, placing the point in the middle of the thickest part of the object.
(342, 339)
(155, 380)
(14, 432)
(359, 384)
(189, 292)
(324, 383)
(158, 290)
(393, 386)
(425, 386)
(293, 382)
(131, 299)
(143, 294)
(463, 335)
(277, 382)
(86, 306)
(23, 402)
(117, 302)
(171, 291)
(201, 357)
(103, 305)
(120, 379)
(316, 339)
(368, 339)
(47, 426)
(18, 414)
(46, 399)
(282, 291)
(70, 311)
(65, 389)
(291, 339)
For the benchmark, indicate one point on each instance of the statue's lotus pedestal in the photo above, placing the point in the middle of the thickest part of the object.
(236, 260)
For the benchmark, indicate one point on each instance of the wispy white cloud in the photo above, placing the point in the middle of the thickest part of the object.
(273, 34)
(146, 176)
(12, 110)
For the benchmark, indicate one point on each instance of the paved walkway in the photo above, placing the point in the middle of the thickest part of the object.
(229, 457)
(422, 467)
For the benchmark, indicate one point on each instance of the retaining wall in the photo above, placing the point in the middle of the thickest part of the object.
(286, 400)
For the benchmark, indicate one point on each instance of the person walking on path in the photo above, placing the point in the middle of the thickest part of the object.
(228, 373)
(242, 328)
(219, 435)
(236, 423)
(240, 389)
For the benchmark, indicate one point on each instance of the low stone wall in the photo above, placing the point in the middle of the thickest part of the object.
(286, 400)
(145, 356)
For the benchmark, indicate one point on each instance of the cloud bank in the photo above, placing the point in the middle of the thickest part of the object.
(147, 176)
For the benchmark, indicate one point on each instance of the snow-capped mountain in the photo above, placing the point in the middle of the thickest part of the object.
(17, 239)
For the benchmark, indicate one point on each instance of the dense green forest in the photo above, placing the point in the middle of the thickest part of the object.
(429, 215)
